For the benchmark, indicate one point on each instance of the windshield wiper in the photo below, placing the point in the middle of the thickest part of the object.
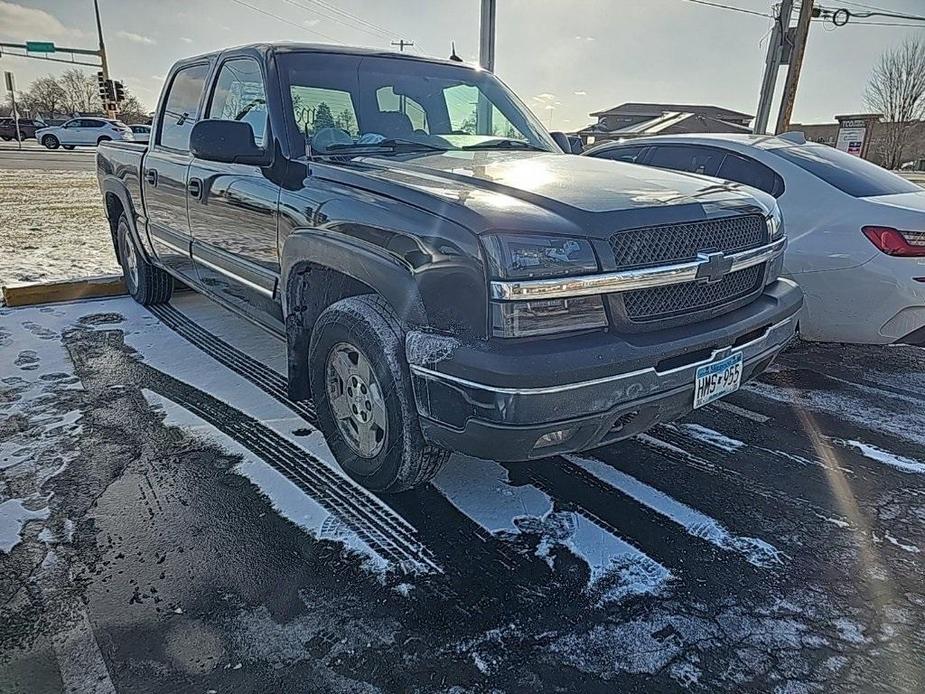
(391, 145)
(504, 143)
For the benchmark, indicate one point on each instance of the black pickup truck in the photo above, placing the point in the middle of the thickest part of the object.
(446, 277)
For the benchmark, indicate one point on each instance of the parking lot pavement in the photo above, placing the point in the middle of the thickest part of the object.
(34, 156)
(170, 521)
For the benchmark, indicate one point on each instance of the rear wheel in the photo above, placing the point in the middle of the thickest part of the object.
(146, 283)
(50, 141)
(362, 391)
(103, 139)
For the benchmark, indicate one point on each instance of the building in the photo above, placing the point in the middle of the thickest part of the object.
(640, 120)
(866, 135)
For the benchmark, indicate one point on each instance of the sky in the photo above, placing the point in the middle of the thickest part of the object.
(565, 58)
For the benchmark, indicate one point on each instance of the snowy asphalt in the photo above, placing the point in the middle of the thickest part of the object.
(169, 521)
(34, 156)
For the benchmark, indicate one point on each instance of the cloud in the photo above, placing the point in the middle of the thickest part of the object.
(544, 97)
(30, 24)
(584, 38)
(311, 22)
(186, 39)
(135, 38)
(581, 93)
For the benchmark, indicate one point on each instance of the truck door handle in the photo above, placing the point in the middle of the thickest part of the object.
(151, 176)
(194, 188)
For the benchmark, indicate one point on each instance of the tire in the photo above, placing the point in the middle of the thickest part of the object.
(145, 283)
(368, 325)
(50, 141)
(5, 138)
(68, 147)
(103, 139)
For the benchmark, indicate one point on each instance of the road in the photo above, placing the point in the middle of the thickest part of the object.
(174, 523)
(34, 156)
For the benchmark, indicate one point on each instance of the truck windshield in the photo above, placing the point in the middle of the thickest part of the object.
(338, 103)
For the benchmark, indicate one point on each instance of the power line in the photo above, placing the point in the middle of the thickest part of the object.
(285, 21)
(731, 8)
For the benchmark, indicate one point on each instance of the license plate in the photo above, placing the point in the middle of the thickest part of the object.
(717, 379)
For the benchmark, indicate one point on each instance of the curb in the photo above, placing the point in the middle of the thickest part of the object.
(63, 290)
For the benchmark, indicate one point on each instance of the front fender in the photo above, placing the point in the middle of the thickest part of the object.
(367, 264)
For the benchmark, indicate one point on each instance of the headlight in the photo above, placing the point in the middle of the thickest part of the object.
(775, 224)
(525, 256)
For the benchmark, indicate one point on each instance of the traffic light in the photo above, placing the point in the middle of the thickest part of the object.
(102, 87)
(110, 90)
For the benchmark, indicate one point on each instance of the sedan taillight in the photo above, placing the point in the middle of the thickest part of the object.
(906, 244)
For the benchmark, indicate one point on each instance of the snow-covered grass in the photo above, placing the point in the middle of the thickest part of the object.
(53, 227)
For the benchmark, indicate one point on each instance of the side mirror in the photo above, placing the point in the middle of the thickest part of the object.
(567, 144)
(227, 141)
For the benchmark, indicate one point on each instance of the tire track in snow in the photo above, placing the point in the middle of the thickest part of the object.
(383, 530)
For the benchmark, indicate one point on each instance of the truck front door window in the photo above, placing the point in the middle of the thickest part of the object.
(240, 95)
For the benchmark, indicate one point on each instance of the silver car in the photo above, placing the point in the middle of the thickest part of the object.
(857, 231)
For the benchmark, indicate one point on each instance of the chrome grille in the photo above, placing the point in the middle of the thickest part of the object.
(689, 297)
(679, 243)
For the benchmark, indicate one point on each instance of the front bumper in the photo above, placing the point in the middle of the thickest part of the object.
(497, 402)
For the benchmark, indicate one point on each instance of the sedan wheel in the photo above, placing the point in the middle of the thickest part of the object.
(50, 141)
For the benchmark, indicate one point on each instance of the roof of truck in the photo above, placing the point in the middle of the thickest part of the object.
(295, 47)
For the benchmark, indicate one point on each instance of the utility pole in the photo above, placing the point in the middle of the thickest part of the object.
(111, 108)
(401, 44)
(487, 35)
(796, 64)
(487, 61)
(11, 87)
(772, 65)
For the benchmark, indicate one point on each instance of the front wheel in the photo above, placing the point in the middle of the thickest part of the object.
(103, 139)
(50, 141)
(362, 391)
(145, 283)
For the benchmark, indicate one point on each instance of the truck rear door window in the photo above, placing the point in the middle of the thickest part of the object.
(181, 108)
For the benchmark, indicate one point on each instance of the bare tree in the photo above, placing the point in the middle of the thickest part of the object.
(44, 96)
(81, 91)
(897, 90)
(132, 110)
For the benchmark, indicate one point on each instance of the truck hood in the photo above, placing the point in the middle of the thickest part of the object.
(541, 191)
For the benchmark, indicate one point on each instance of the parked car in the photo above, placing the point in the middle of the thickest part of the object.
(141, 132)
(79, 132)
(441, 287)
(857, 231)
(27, 128)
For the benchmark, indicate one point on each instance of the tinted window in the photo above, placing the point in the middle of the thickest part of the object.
(388, 100)
(91, 123)
(699, 160)
(181, 111)
(751, 173)
(850, 174)
(240, 95)
(629, 154)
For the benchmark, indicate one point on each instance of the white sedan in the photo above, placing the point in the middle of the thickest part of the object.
(79, 132)
(141, 132)
(857, 231)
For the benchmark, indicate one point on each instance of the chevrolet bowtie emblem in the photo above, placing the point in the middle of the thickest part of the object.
(713, 266)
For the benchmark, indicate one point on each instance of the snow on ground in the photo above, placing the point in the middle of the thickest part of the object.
(53, 227)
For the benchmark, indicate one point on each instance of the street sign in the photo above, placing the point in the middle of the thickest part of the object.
(40, 47)
(10, 82)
